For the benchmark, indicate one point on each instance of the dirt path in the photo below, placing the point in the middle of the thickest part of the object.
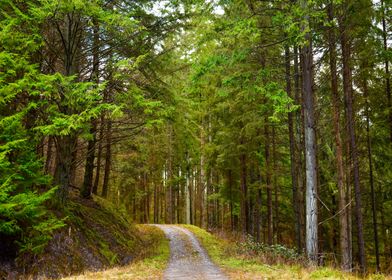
(188, 260)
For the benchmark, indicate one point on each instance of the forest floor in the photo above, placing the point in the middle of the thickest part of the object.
(240, 264)
(197, 254)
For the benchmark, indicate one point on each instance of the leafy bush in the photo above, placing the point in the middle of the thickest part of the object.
(273, 252)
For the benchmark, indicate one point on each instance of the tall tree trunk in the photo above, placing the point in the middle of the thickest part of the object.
(276, 230)
(268, 182)
(347, 88)
(191, 198)
(387, 77)
(202, 178)
(257, 218)
(299, 147)
(346, 261)
(187, 191)
(371, 179)
(244, 195)
(230, 185)
(87, 186)
(293, 159)
(310, 144)
(66, 145)
(169, 185)
(156, 203)
(147, 198)
(99, 155)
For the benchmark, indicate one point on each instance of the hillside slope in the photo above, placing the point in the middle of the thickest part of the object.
(96, 236)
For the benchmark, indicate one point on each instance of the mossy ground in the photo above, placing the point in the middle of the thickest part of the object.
(241, 266)
(150, 264)
(97, 236)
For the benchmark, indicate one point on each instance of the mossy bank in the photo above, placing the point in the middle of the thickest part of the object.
(96, 236)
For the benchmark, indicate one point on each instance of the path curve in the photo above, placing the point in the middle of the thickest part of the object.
(188, 260)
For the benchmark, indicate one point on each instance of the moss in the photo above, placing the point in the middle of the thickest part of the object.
(150, 263)
(109, 255)
(94, 238)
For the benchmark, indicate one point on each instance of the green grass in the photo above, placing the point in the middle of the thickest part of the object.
(240, 266)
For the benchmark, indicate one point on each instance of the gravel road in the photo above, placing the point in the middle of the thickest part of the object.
(188, 260)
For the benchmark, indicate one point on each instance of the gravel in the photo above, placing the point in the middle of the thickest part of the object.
(188, 260)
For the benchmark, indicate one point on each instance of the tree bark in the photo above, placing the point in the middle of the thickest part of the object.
(293, 160)
(371, 179)
(268, 183)
(347, 88)
(87, 186)
(387, 78)
(346, 261)
(49, 155)
(310, 144)
(108, 159)
(244, 196)
(99, 155)
(65, 146)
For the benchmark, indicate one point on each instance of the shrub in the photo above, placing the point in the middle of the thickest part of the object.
(273, 253)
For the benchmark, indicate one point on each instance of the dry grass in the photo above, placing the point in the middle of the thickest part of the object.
(245, 266)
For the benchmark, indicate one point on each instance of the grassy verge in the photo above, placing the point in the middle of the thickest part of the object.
(150, 263)
(245, 266)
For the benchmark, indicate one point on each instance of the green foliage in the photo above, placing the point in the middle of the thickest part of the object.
(250, 245)
(24, 190)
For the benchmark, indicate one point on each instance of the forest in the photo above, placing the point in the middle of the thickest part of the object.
(268, 120)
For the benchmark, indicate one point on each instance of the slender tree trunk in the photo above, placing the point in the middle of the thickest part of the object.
(230, 185)
(384, 230)
(346, 262)
(108, 159)
(387, 77)
(276, 230)
(293, 160)
(310, 145)
(156, 204)
(147, 198)
(347, 88)
(87, 186)
(99, 155)
(257, 220)
(49, 155)
(191, 199)
(187, 198)
(371, 179)
(268, 182)
(169, 190)
(299, 147)
(348, 168)
(244, 196)
(202, 178)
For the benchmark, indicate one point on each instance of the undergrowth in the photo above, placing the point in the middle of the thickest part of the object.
(247, 259)
(149, 264)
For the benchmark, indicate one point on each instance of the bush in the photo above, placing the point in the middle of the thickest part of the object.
(274, 253)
